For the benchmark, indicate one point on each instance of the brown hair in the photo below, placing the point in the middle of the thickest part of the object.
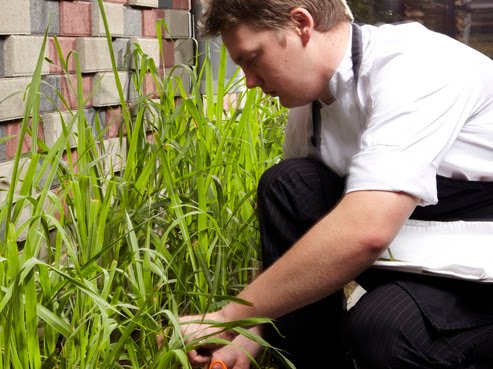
(219, 15)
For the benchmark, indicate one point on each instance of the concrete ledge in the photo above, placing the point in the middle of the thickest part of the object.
(144, 3)
(105, 91)
(149, 46)
(94, 54)
(21, 55)
(6, 172)
(11, 97)
(14, 17)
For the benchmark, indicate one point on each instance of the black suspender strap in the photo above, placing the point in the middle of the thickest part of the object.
(316, 123)
(356, 50)
(356, 55)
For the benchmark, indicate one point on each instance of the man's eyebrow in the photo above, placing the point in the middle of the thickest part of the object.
(244, 57)
(238, 60)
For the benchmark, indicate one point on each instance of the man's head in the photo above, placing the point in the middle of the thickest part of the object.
(288, 48)
(220, 15)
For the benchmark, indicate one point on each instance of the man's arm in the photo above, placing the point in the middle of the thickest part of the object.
(335, 251)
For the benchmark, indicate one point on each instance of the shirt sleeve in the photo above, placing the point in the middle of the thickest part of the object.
(417, 106)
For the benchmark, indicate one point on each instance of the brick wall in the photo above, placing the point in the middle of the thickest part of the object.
(79, 27)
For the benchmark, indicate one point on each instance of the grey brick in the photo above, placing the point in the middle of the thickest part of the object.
(166, 4)
(2, 52)
(91, 115)
(42, 183)
(133, 22)
(114, 16)
(45, 14)
(121, 51)
(101, 115)
(49, 97)
(179, 24)
(185, 51)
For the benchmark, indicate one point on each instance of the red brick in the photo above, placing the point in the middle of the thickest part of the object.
(114, 122)
(67, 44)
(149, 19)
(12, 129)
(150, 88)
(182, 4)
(69, 90)
(75, 18)
(169, 53)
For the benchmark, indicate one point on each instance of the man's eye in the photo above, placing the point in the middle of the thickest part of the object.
(253, 60)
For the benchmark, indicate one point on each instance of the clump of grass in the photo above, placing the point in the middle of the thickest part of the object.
(108, 257)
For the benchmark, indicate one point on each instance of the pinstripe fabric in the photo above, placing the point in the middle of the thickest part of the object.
(292, 196)
(387, 328)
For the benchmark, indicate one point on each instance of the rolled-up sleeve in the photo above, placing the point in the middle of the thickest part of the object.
(416, 111)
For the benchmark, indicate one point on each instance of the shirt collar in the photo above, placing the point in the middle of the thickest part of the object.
(343, 76)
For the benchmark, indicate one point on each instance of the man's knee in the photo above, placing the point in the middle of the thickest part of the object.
(300, 185)
(286, 173)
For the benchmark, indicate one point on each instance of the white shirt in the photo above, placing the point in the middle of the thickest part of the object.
(423, 106)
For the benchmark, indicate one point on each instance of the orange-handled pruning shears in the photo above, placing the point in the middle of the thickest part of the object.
(220, 362)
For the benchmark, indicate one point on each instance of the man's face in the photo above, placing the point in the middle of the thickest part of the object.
(272, 60)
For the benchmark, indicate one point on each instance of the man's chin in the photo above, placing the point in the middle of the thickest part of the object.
(290, 103)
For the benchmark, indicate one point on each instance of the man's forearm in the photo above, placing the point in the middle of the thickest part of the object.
(335, 251)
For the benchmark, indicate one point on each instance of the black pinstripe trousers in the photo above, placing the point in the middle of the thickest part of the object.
(387, 328)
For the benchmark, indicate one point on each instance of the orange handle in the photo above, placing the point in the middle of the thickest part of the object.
(220, 362)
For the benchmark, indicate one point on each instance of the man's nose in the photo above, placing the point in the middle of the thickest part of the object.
(252, 79)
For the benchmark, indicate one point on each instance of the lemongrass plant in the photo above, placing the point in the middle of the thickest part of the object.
(98, 259)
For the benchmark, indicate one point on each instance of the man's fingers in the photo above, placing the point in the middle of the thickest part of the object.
(199, 358)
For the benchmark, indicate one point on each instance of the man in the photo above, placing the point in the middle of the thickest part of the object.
(388, 123)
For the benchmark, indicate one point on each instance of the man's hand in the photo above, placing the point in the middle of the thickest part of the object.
(236, 355)
(199, 328)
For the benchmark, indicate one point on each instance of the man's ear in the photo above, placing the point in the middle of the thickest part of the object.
(303, 22)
